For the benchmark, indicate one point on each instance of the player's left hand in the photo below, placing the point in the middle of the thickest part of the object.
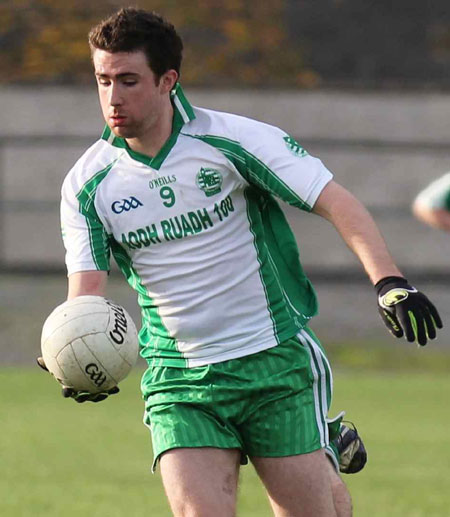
(80, 396)
(85, 396)
(406, 311)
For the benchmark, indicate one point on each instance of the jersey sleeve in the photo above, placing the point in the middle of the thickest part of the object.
(84, 235)
(276, 163)
(437, 195)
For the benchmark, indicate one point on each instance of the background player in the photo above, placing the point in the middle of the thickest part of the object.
(183, 197)
(432, 205)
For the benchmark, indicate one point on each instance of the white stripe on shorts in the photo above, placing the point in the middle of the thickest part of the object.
(319, 384)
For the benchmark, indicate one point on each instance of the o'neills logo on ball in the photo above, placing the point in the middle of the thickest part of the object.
(95, 374)
(118, 333)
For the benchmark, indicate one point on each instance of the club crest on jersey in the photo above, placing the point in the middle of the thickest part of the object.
(209, 180)
(294, 147)
(125, 205)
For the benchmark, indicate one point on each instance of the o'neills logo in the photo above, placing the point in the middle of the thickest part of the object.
(95, 374)
(119, 331)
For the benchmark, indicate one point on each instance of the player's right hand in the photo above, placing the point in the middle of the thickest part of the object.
(80, 396)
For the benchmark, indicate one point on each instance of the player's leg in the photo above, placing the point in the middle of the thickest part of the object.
(298, 486)
(341, 496)
(292, 419)
(347, 454)
(201, 481)
(199, 452)
(334, 446)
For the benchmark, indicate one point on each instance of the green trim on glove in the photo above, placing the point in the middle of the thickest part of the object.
(406, 311)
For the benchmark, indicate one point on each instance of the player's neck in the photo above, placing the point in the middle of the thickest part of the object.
(156, 135)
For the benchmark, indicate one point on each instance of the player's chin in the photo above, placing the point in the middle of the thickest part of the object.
(123, 131)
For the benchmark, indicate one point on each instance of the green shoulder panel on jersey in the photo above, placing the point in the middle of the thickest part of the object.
(97, 234)
(157, 345)
(253, 169)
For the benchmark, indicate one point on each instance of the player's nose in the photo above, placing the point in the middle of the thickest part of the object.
(115, 96)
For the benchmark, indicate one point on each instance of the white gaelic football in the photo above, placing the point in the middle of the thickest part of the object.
(89, 343)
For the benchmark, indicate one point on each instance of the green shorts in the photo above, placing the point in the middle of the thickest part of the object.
(273, 403)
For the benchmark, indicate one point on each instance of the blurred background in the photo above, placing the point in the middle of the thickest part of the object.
(365, 86)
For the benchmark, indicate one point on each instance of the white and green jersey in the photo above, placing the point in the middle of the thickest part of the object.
(198, 234)
(437, 194)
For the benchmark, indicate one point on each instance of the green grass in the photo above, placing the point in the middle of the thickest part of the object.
(60, 459)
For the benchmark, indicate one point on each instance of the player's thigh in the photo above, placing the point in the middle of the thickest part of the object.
(297, 486)
(201, 481)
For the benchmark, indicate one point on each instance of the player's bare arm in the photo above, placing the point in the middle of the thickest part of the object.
(356, 226)
(87, 283)
(404, 310)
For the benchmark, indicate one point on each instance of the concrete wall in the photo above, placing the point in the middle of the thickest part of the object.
(383, 147)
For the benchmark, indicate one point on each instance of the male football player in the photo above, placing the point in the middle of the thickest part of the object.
(184, 199)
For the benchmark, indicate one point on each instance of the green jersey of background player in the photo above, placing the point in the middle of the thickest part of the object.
(432, 204)
(184, 198)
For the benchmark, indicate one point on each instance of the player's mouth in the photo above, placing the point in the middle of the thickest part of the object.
(117, 120)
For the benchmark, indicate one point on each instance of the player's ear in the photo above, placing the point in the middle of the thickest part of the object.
(168, 80)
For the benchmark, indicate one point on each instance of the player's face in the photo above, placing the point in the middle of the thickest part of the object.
(133, 100)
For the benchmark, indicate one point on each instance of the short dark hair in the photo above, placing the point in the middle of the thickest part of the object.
(131, 29)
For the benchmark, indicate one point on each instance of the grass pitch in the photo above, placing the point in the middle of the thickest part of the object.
(63, 459)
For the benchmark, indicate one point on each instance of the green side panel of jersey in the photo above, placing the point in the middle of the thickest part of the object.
(157, 345)
(254, 170)
(268, 221)
(279, 257)
(272, 288)
(285, 258)
(98, 237)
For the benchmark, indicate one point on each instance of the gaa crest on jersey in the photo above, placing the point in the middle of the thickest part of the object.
(293, 146)
(125, 205)
(209, 180)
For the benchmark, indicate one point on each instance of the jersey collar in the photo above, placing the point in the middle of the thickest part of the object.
(182, 114)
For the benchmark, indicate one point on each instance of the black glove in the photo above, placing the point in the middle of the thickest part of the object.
(406, 311)
(81, 396)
